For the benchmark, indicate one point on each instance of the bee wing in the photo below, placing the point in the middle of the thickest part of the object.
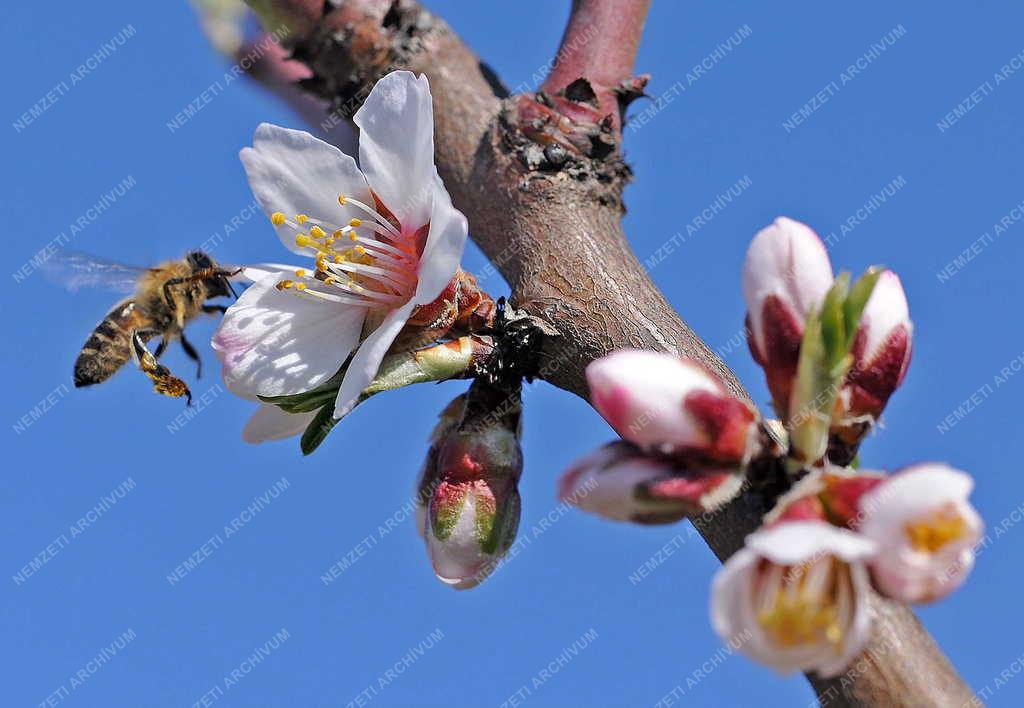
(74, 271)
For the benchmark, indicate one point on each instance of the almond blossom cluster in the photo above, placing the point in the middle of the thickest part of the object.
(833, 351)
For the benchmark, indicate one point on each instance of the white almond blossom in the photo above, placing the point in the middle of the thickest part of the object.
(382, 237)
(926, 530)
(798, 593)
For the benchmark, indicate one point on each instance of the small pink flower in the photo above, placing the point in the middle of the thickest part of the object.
(786, 273)
(663, 403)
(620, 483)
(881, 349)
(798, 595)
(467, 495)
(926, 530)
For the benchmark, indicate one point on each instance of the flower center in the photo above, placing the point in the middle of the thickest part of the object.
(368, 263)
(806, 604)
(931, 533)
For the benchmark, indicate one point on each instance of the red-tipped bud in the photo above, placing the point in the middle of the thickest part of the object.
(468, 490)
(619, 482)
(673, 406)
(786, 273)
(881, 349)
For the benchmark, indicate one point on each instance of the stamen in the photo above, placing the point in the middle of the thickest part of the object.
(301, 218)
(343, 200)
(277, 218)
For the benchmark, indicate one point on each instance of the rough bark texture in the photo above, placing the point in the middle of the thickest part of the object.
(540, 178)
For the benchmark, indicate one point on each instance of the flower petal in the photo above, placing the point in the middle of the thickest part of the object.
(366, 361)
(794, 542)
(443, 250)
(886, 310)
(257, 272)
(292, 172)
(789, 261)
(396, 145)
(274, 343)
(272, 423)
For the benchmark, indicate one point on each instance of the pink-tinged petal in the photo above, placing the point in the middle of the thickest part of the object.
(274, 343)
(882, 349)
(612, 492)
(641, 394)
(927, 531)
(886, 310)
(271, 423)
(292, 172)
(396, 145)
(442, 253)
(365, 362)
(664, 403)
(751, 600)
(789, 261)
(796, 541)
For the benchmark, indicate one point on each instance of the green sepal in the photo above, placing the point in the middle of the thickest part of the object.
(318, 428)
(825, 359)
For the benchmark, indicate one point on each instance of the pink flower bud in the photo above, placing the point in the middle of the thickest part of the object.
(926, 530)
(620, 483)
(671, 405)
(470, 526)
(881, 349)
(796, 597)
(786, 273)
(467, 492)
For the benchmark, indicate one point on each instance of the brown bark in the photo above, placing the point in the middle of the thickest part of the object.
(541, 180)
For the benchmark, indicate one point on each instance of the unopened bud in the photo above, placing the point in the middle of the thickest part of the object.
(672, 406)
(469, 485)
(881, 355)
(786, 273)
(619, 482)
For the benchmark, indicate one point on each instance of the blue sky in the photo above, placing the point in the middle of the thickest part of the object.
(949, 187)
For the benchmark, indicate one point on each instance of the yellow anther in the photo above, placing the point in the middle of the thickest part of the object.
(338, 258)
(341, 199)
(330, 280)
(317, 232)
(338, 234)
(360, 250)
(931, 533)
(284, 285)
(355, 223)
(301, 272)
(305, 240)
(277, 218)
(300, 286)
(329, 242)
(353, 235)
(301, 218)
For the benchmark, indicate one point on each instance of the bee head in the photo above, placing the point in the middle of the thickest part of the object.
(198, 260)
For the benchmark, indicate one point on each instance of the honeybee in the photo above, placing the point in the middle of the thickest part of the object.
(166, 298)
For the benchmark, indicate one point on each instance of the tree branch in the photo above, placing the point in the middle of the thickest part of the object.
(540, 177)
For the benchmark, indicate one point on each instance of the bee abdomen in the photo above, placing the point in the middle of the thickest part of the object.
(108, 347)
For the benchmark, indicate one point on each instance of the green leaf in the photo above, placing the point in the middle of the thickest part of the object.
(857, 300)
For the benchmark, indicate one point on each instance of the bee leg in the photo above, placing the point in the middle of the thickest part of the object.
(160, 348)
(163, 380)
(192, 354)
(210, 309)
